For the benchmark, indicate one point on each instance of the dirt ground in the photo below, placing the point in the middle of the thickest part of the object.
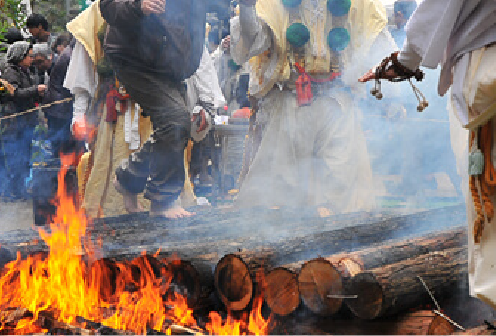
(15, 215)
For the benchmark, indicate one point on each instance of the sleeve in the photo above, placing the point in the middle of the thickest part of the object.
(250, 36)
(81, 80)
(206, 83)
(408, 57)
(121, 13)
(81, 102)
(20, 93)
(81, 74)
(217, 57)
(428, 31)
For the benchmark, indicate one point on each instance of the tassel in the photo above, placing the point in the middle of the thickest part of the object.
(304, 90)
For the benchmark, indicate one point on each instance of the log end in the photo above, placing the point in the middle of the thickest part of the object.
(233, 282)
(369, 302)
(281, 291)
(317, 280)
(440, 326)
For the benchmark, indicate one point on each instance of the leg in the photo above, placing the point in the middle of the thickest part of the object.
(158, 166)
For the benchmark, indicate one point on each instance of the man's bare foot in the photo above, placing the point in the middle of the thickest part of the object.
(174, 212)
(130, 200)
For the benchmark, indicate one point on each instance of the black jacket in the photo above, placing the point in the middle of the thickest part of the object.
(169, 44)
(56, 90)
(25, 94)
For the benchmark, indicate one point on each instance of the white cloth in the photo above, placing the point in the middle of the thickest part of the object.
(450, 33)
(444, 32)
(309, 155)
(226, 75)
(203, 86)
(131, 127)
(82, 80)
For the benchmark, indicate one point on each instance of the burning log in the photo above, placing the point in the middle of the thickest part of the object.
(281, 291)
(233, 282)
(10, 317)
(391, 288)
(237, 275)
(46, 320)
(187, 281)
(321, 287)
(103, 274)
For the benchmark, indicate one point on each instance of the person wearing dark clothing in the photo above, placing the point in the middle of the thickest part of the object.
(153, 46)
(37, 25)
(13, 35)
(17, 133)
(59, 116)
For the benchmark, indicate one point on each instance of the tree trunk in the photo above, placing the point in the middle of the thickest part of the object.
(389, 289)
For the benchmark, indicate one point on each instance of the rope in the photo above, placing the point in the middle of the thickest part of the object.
(57, 102)
(482, 187)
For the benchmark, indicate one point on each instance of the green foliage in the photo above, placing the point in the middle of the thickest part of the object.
(13, 14)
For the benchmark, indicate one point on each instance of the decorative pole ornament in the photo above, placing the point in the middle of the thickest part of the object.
(338, 38)
(403, 74)
(297, 34)
(339, 8)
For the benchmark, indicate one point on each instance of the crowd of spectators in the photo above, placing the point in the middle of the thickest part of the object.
(35, 66)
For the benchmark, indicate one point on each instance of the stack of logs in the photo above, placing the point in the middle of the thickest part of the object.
(379, 281)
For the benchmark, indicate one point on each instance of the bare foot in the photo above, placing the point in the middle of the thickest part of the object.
(173, 212)
(130, 200)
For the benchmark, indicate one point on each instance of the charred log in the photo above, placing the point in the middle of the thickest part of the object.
(389, 289)
(386, 254)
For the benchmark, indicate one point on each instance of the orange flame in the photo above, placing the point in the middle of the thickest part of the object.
(121, 295)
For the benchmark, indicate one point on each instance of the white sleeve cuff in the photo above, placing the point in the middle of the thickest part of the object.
(409, 58)
(81, 103)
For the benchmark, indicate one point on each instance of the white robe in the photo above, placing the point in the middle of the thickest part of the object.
(310, 155)
(452, 33)
(203, 86)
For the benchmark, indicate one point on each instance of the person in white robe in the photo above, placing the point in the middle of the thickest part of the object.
(312, 155)
(460, 36)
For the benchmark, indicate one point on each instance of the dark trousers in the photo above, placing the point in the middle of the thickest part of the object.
(158, 166)
(16, 147)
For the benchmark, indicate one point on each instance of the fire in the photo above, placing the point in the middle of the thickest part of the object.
(71, 285)
(256, 325)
